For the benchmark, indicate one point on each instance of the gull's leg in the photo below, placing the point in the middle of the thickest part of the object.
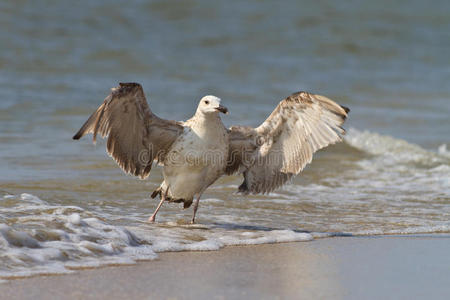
(163, 198)
(195, 207)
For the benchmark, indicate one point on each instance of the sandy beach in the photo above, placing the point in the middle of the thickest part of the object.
(367, 217)
(385, 267)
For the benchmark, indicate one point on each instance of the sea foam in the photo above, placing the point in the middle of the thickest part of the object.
(58, 239)
(394, 188)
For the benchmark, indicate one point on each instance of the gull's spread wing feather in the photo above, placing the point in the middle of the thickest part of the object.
(136, 136)
(284, 143)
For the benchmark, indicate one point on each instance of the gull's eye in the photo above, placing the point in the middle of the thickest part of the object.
(206, 102)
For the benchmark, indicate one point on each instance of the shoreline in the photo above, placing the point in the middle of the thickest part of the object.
(369, 267)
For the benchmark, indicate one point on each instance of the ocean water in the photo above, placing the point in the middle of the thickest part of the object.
(65, 205)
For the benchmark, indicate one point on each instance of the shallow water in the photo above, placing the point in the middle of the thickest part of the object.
(66, 205)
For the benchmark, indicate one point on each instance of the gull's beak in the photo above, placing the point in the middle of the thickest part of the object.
(222, 109)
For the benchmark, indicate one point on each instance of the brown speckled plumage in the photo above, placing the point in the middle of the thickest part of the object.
(267, 156)
(300, 125)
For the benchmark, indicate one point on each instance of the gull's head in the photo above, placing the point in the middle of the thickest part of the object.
(211, 105)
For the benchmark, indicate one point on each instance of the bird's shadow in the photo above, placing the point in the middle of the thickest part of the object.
(233, 226)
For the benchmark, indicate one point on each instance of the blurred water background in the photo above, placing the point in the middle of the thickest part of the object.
(66, 205)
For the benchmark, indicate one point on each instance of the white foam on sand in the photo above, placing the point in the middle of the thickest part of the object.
(54, 239)
(58, 239)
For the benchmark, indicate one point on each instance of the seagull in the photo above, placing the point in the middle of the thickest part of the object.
(195, 153)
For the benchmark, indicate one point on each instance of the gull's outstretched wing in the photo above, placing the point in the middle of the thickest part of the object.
(136, 136)
(271, 154)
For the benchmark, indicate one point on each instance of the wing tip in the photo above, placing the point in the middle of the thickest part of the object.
(305, 96)
(298, 97)
(125, 88)
(347, 110)
(129, 84)
(79, 134)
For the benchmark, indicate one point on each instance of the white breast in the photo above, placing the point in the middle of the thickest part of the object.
(195, 161)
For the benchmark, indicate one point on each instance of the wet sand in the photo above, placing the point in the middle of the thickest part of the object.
(388, 267)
